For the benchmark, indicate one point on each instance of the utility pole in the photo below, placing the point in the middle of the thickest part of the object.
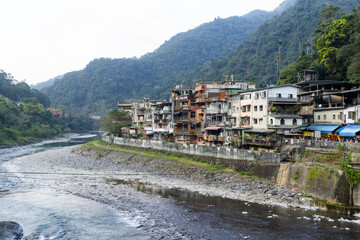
(279, 61)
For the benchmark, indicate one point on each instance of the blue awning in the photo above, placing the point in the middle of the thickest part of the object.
(350, 131)
(325, 129)
(340, 129)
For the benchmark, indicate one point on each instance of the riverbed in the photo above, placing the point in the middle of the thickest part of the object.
(62, 194)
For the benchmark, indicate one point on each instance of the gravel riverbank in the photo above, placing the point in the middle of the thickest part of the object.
(73, 169)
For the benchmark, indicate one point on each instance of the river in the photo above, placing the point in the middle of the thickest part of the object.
(152, 212)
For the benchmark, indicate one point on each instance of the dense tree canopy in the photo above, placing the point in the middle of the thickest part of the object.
(336, 52)
(115, 120)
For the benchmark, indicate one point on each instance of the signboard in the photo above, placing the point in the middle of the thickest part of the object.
(308, 134)
(317, 134)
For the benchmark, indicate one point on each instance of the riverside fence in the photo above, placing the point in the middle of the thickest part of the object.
(200, 150)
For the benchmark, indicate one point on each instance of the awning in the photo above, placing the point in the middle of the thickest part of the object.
(325, 129)
(213, 128)
(340, 129)
(350, 131)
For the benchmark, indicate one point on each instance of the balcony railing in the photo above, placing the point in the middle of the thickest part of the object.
(181, 119)
(278, 99)
(283, 113)
(213, 138)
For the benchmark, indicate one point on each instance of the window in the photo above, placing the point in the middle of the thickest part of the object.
(192, 103)
(192, 115)
(255, 121)
(271, 121)
(318, 117)
(260, 120)
(290, 96)
(278, 95)
(334, 116)
(261, 107)
(282, 121)
(294, 121)
(324, 117)
(264, 94)
(255, 108)
(248, 108)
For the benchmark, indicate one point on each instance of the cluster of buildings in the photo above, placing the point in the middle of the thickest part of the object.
(230, 112)
(58, 113)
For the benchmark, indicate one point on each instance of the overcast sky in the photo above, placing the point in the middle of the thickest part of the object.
(41, 39)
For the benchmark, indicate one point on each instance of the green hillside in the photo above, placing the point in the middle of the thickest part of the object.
(256, 59)
(27, 121)
(103, 82)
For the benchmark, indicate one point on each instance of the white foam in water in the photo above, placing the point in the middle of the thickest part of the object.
(349, 221)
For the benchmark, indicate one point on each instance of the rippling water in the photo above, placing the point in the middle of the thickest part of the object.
(48, 214)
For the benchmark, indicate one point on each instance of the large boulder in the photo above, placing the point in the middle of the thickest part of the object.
(10, 231)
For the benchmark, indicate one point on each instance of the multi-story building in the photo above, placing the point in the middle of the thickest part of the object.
(184, 115)
(316, 96)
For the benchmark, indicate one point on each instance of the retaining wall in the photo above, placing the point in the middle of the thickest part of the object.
(320, 144)
(201, 150)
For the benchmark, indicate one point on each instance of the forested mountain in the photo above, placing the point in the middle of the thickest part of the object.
(103, 82)
(257, 58)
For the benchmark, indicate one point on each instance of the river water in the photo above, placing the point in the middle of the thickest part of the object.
(48, 214)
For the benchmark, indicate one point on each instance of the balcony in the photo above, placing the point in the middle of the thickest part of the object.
(215, 111)
(215, 123)
(306, 112)
(181, 132)
(283, 113)
(284, 100)
(214, 138)
(181, 119)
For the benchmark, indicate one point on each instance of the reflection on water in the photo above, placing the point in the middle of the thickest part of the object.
(228, 218)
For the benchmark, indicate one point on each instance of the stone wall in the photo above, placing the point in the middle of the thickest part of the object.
(200, 150)
(320, 144)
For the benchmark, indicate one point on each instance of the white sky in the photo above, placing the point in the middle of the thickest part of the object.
(40, 39)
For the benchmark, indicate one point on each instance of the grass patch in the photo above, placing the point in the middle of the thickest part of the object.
(319, 173)
(99, 144)
(297, 174)
(242, 173)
